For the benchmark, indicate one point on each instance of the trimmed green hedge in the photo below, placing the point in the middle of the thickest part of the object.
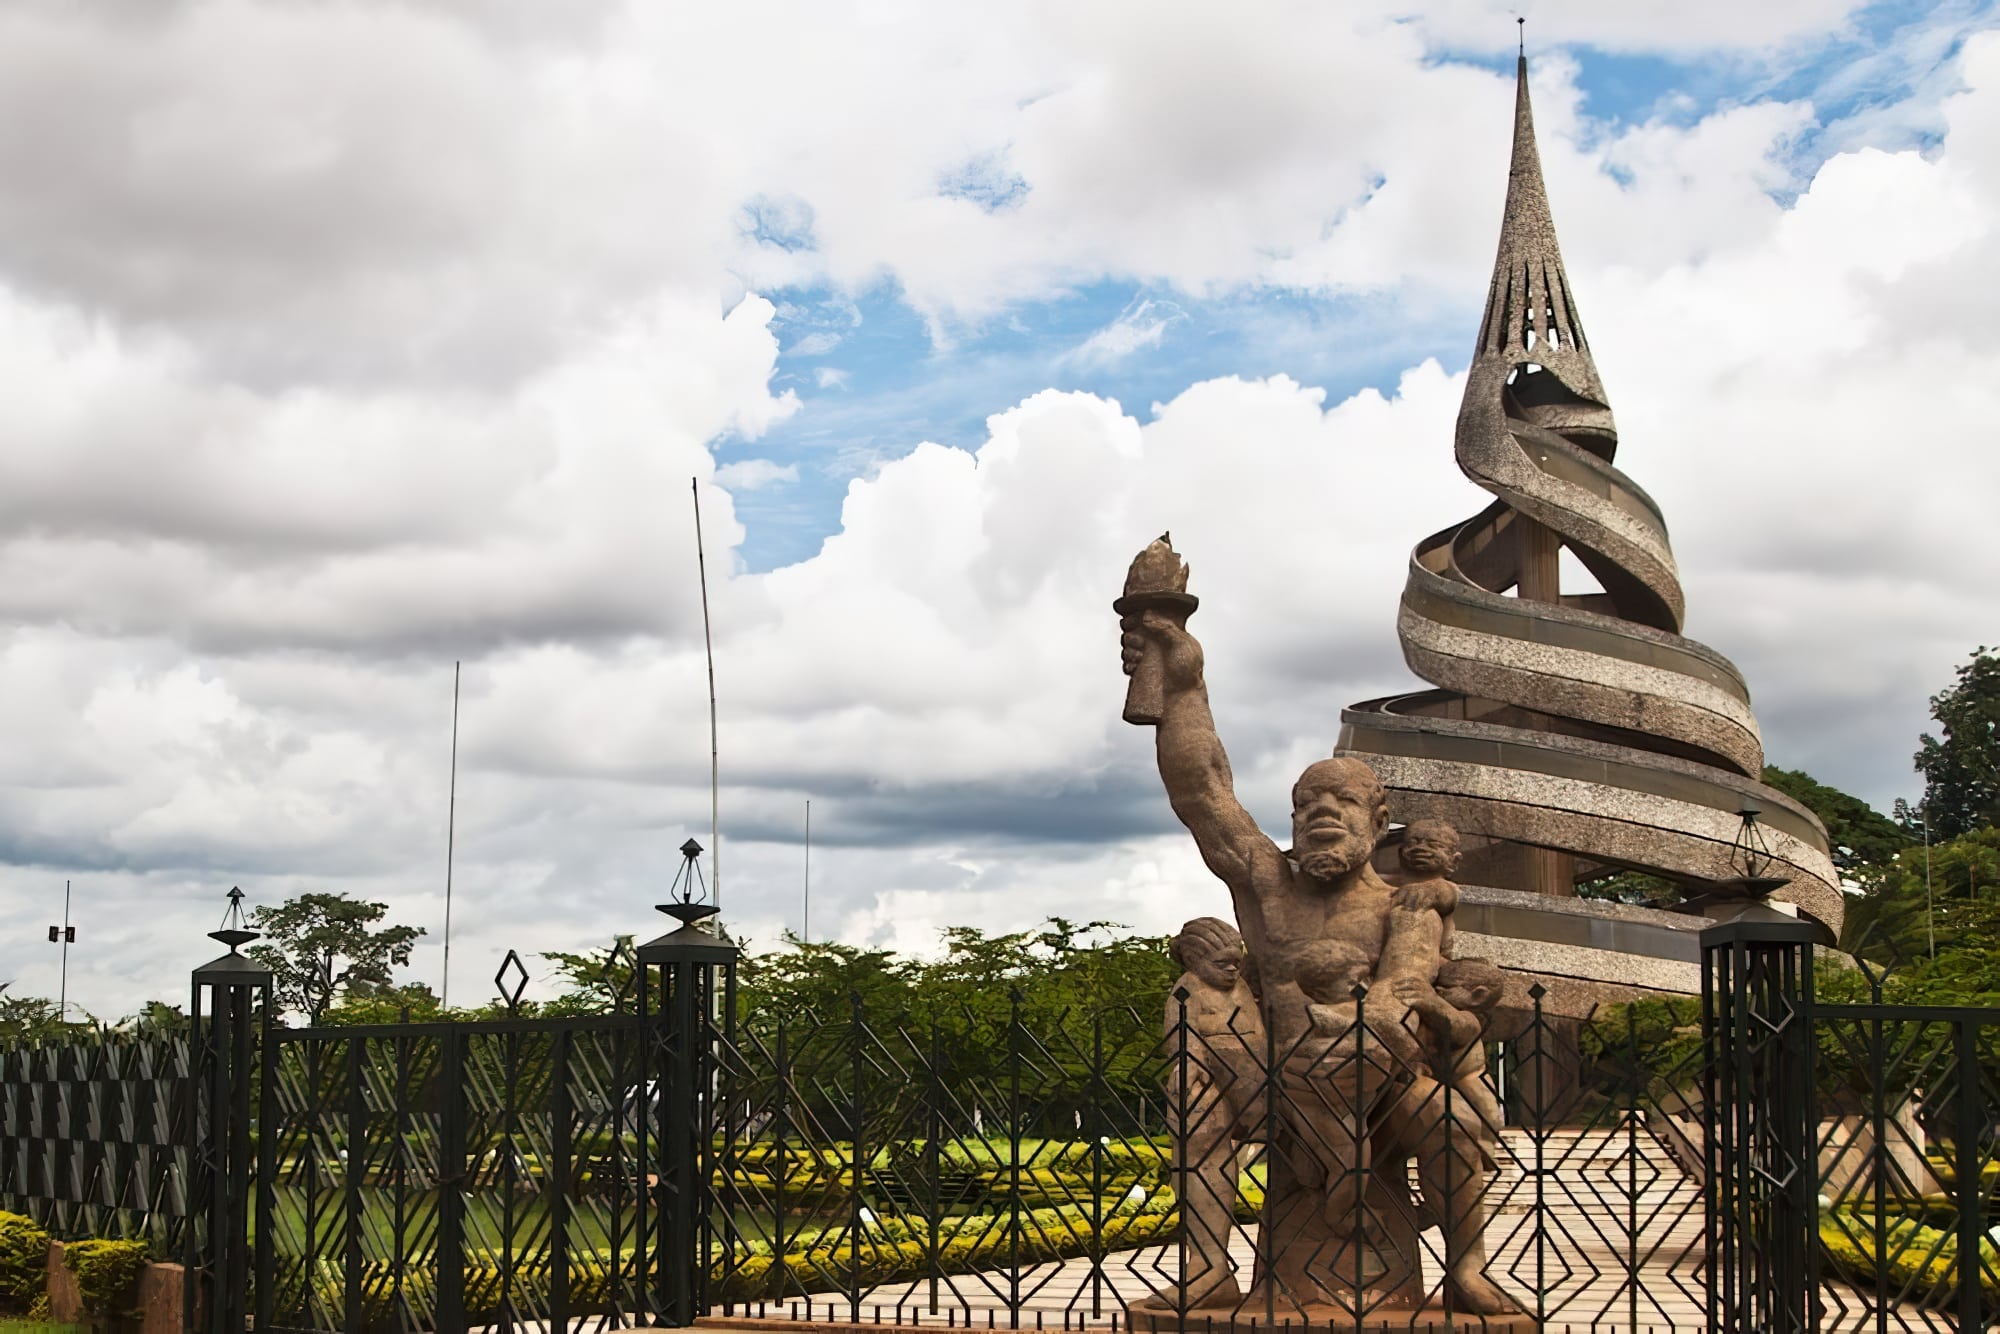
(107, 1274)
(831, 1259)
(1916, 1260)
(24, 1264)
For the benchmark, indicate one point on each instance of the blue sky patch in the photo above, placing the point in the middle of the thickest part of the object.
(873, 385)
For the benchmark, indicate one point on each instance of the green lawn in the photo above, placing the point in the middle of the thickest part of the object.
(486, 1226)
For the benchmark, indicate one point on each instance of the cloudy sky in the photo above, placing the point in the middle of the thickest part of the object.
(343, 341)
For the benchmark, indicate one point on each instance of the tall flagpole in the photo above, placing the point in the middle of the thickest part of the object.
(62, 1005)
(806, 929)
(1931, 915)
(450, 839)
(714, 763)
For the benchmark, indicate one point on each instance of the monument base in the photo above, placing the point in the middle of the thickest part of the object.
(1237, 1319)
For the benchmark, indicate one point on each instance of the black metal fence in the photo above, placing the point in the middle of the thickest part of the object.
(439, 1176)
(1771, 1160)
(1905, 1150)
(93, 1136)
(1021, 1171)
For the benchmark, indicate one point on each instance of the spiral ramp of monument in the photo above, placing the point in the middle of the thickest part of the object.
(1570, 736)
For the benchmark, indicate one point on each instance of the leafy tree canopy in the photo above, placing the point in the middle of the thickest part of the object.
(1945, 898)
(408, 1003)
(35, 1019)
(323, 947)
(1059, 966)
(595, 982)
(156, 1017)
(1961, 769)
(1863, 840)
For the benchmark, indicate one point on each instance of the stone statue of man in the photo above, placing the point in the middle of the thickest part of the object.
(1322, 889)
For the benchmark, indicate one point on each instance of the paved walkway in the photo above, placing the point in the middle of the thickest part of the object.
(1618, 1251)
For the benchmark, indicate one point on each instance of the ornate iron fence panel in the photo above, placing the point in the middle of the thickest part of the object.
(451, 1176)
(1016, 1169)
(93, 1136)
(1908, 1163)
(1764, 1160)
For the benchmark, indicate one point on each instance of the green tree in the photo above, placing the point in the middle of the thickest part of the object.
(1947, 902)
(595, 980)
(1962, 769)
(412, 1002)
(156, 1017)
(819, 980)
(321, 947)
(33, 1019)
(1864, 842)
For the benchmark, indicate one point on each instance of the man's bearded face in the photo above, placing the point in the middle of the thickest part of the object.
(1334, 829)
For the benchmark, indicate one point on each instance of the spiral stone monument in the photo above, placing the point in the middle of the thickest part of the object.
(1571, 734)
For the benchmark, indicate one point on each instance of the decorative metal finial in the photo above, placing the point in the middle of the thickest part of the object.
(1750, 854)
(234, 932)
(1521, 30)
(689, 891)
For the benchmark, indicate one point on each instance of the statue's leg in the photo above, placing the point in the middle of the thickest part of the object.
(1448, 1132)
(1339, 1143)
(1400, 1246)
(1333, 1103)
(1294, 1243)
(1205, 1180)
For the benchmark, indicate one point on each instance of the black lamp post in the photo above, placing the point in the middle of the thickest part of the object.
(1745, 895)
(1760, 1124)
(228, 1008)
(687, 1004)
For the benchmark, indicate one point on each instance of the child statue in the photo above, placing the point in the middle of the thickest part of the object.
(1454, 1015)
(1215, 1095)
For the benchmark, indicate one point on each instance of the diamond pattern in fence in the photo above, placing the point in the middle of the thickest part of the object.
(436, 1175)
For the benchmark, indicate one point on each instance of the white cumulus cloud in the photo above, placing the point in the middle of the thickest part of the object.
(346, 343)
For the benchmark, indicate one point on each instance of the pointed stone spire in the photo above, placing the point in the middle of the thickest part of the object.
(1531, 315)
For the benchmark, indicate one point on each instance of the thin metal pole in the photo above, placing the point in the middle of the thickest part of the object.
(62, 1002)
(806, 928)
(1930, 914)
(450, 839)
(714, 763)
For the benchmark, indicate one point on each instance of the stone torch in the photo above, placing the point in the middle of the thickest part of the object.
(1157, 581)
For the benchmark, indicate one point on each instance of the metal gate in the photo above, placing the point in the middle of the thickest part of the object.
(1014, 1169)
(1775, 1160)
(514, 1174)
(1906, 1147)
(446, 1176)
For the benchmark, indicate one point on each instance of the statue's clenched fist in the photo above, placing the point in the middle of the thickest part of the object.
(1159, 634)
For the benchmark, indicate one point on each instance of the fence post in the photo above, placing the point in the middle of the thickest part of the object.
(1760, 1122)
(228, 1007)
(687, 983)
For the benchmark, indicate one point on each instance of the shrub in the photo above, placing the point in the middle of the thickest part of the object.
(1918, 1261)
(24, 1263)
(107, 1274)
(886, 1250)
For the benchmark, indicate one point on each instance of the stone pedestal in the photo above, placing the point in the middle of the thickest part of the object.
(1848, 1158)
(1326, 1320)
(156, 1302)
